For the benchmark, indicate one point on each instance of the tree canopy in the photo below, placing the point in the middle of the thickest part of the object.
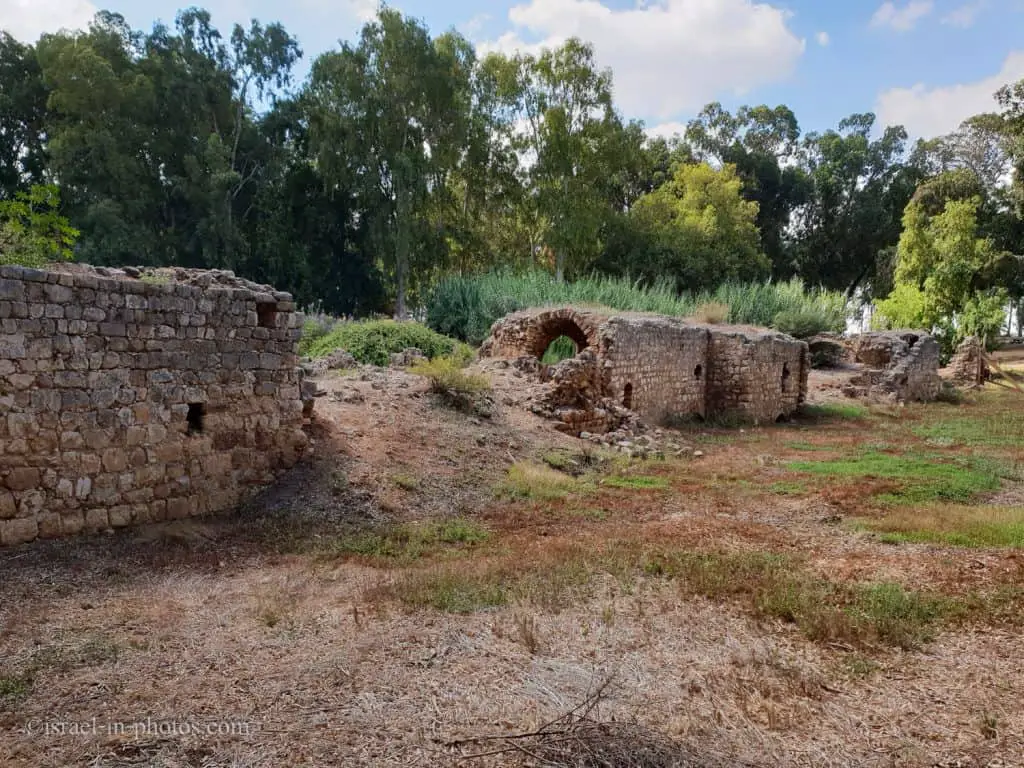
(405, 157)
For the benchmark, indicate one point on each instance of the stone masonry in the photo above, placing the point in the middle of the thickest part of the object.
(129, 397)
(900, 365)
(660, 368)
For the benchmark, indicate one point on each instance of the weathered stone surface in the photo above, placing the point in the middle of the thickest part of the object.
(654, 367)
(968, 367)
(405, 358)
(124, 400)
(903, 365)
(827, 350)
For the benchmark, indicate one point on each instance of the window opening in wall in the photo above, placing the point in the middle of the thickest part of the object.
(196, 411)
(698, 371)
(785, 374)
(266, 315)
(627, 396)
(558, 350)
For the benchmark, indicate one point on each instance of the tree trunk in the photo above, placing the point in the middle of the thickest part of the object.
(560, 266)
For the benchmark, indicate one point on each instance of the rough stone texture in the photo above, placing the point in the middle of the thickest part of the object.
(902, 365)
(828, 350)
(659, 368)
(968, 367)
(126, 401)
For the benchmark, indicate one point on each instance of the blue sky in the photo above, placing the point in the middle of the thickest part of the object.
(924, 63)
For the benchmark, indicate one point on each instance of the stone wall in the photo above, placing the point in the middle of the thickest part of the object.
(760, 375)
(902, 365)
(130, 397)
(660, 368)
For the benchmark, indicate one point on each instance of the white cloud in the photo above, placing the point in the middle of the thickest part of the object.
(902, 19)
(935, 111)
(823, 39)
(28, 19)
(667, 130)
(667, 56)
(965, 15)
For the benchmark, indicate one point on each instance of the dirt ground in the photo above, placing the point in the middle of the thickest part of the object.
(287, 635)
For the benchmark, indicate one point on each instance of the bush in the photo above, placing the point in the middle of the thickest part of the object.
(373, 341)
(458, 389)
(803, 323)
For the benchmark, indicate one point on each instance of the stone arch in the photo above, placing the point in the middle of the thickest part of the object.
(549, 329)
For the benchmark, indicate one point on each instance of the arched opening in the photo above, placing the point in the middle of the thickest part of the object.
(627, 397)
(785, 375)
(698, 372)
(558, 350)
(552, 330)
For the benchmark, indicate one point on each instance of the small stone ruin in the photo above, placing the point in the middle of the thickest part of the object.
(968, 368)
(659, 369)
(898, 365)
(129, 396)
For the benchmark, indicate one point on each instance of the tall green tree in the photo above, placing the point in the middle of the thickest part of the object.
(384, 114)
(853, 214)
(23, 118)
(696, 230)
(568, 134)
(761, 143)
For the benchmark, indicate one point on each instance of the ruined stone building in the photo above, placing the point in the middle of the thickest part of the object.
(128, 397)
(661, 368)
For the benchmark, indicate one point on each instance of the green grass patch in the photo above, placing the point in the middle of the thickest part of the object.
(921, 478)
(1001, 430)
(636, 482)
(834, 411)
(777, 587)
(560, 349)
(411, 541)
(373, 341)
(789, 488)
(14, 687)
(957, 526)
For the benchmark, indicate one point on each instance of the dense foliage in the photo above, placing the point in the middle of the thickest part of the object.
(466, 307)
(373, 341)
(406, 158)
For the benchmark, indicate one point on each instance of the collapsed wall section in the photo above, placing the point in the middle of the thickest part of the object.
(126, 401)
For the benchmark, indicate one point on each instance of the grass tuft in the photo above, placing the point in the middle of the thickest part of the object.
(533, 481)
(411, 541)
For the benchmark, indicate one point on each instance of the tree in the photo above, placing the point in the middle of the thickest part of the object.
(860, 188)
(697, 230)
(22, 118)
(383, 116)
(569, 133)
(761, 143)
(32, 231)
(940, 275)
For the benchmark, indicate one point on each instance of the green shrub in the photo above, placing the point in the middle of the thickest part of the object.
(447, 377)
(373, 341)
(803, 323)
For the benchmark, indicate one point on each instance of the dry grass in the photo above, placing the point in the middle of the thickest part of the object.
(526, 480)
(711, 312)
(738, 615)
